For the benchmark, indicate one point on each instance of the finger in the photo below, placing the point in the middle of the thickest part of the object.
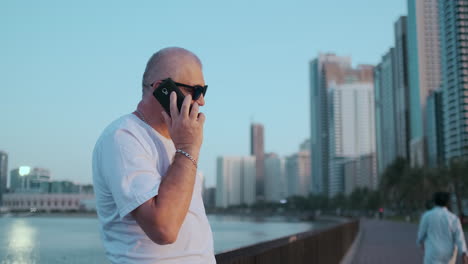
(184, 110)
(173, 105)
(167, 119)
(201, 118)
(194, 111)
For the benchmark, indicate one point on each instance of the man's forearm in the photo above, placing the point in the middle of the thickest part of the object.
(175, 193)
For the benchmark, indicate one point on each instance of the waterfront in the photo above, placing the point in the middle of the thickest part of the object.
(76, 239)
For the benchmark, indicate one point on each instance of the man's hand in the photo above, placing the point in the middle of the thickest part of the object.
(465, 258)
(186, 126)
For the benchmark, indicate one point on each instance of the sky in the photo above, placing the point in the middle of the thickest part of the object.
(69, 68)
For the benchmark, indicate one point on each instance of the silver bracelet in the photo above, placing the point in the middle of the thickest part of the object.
(188, 156)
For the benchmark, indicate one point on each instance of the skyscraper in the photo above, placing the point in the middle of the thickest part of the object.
(297, 169)
(360, 172)
(385, 111)
(235, 184)
(454, 60)
(352, 128)
(257, 149)
(434, 130)
(3, 174)
(423, 69)
(326, 70)
(275, 178)
(401, 89)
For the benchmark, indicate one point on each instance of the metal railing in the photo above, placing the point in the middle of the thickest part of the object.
(325, 246)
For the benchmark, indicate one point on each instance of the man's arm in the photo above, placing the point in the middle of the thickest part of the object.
(460, 240)
(422, 231)
(162, 216)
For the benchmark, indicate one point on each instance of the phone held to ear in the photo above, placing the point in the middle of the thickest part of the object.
(163, 94)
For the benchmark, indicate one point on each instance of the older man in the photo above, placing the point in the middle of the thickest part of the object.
(148, 192)
(440, 231)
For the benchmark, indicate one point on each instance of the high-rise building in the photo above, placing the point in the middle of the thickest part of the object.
(434, 130)
(275, 178)
(257, 149)
(400, 61)
(235, 183)
(385, 110)
(423, 69)
(360, 172)
(298, 170)
(3, 174)
(327, 70)
(454, 61)
(352, 128)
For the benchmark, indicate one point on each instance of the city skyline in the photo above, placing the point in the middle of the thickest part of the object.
(69, 70)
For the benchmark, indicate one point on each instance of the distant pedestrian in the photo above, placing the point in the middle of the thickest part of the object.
(440, 231)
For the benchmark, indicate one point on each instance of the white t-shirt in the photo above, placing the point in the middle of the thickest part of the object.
(129, 161)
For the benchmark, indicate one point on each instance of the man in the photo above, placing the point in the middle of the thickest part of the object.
(440, 231)
(148, 192)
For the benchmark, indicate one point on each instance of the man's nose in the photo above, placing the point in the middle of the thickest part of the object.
(200, 100)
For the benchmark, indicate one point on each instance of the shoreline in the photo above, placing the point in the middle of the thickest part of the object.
(237, 216)
(50, 215)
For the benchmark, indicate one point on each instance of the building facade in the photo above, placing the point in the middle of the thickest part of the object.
(275, 178)
(236, 181)
(454, 61)
(352, 128)
(49, 202)
(298, 170)
(360, 172)
(402, 95)
(3, 174)
(385, 111)
(257, 149)
(424, 73)
(28, 179)
(324, 71)
(434, 130)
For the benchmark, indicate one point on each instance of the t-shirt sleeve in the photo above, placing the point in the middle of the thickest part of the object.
(130, 170)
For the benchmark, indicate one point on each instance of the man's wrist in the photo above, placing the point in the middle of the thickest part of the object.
(188, 156)
(190, 149)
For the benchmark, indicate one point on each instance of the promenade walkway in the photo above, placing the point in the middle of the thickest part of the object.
(388, 242)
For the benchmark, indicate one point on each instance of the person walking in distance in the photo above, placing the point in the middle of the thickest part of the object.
(440, 233)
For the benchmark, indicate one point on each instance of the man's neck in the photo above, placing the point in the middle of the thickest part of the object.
(153, 117)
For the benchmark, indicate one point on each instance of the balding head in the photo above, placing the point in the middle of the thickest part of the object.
(168, 62)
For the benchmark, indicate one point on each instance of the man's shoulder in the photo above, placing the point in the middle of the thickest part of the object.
(431, 213)
(125, 123)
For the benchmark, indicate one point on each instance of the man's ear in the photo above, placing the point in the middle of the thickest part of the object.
(156, 84)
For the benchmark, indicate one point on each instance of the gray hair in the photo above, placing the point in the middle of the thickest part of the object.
(166, 63)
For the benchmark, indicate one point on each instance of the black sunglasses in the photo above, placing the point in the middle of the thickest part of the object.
(197, 89)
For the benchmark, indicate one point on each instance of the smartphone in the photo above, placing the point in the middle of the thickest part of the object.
(163, 94)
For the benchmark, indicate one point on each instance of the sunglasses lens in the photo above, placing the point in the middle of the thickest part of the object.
(198, 91)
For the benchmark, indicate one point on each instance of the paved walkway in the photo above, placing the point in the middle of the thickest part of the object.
(388, 242)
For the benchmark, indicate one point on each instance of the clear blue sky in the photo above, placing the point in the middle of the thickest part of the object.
(68, 68)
